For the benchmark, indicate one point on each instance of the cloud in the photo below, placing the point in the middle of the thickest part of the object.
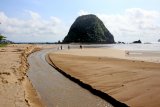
(35, 28)
(33, 15)
(55, 20)
(132, 24)
(83, 12)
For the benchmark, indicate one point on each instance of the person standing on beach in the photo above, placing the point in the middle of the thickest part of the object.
(80, 46)
(68, 47)
(61, 47)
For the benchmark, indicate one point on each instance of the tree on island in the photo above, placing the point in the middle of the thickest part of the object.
(159, 40)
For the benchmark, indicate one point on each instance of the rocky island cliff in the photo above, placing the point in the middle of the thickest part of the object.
(88, 29)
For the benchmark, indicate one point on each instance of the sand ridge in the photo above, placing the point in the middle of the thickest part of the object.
(15, 88)
(130, 81)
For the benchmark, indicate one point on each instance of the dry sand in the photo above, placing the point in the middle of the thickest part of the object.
(133, 82)
(15, 88)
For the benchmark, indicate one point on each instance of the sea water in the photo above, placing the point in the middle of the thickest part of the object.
(147, 47)
(142, 47)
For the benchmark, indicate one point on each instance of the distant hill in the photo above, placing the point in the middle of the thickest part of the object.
(6, 41)
(88, 29)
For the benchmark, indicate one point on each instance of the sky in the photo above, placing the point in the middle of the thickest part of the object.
(50, 20)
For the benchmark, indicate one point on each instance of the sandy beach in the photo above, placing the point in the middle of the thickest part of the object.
(131, 80)
(15, 88)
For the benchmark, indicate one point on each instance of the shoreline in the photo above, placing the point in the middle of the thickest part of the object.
(137, 55)
(123, 79)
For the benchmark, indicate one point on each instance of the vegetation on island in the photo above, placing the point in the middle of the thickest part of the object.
(88, 29)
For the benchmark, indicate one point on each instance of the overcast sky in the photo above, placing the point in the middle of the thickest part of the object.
(50, 20)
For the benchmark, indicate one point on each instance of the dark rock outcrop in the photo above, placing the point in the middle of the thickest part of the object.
(139, 41)
(88, 29)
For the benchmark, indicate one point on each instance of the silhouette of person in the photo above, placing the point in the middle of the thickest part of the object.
(68, 47)
(80, 46)
(61, 47)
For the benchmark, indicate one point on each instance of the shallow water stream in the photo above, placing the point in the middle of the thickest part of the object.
(54, 89)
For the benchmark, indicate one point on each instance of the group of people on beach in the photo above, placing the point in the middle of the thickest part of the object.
(61, 47)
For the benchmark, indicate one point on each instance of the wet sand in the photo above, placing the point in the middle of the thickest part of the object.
(130, 81)
(55, 89)
(15, 88)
